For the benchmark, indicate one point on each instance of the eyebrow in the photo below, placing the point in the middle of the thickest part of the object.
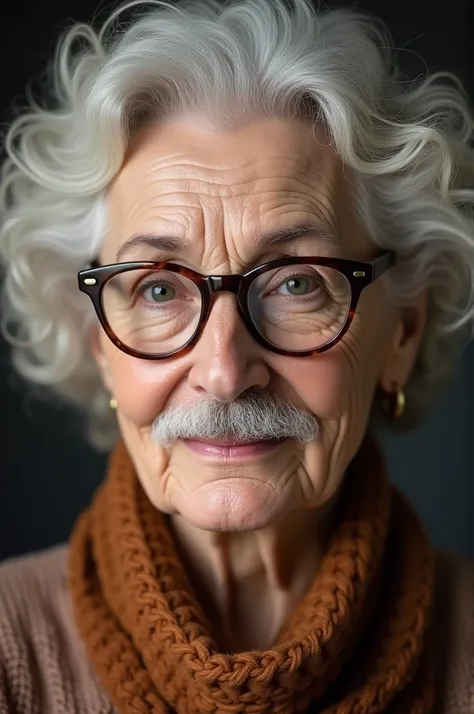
(265, 240)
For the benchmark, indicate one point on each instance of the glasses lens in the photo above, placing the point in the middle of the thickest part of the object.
(152, 311)
(300, 307)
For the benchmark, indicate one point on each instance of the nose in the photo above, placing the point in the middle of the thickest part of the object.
(226, 359)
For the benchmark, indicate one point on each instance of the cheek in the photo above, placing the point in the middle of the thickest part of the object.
(322, 383)
(340, 383)
(141, 387)
(337, 387)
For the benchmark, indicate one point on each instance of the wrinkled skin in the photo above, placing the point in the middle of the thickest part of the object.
(264, 519)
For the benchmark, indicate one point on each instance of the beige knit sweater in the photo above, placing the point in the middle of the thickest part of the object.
(44, 670)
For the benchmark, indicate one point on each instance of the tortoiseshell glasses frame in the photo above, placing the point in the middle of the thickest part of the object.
(358, 274)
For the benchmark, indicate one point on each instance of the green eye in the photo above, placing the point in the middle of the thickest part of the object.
(298, 286)
(160, 293)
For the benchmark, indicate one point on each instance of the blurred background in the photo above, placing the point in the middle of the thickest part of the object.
(47, 471)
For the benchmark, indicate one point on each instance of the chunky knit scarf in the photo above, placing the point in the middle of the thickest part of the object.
(357, 643)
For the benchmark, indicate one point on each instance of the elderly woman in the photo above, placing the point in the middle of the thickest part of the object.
(233, 239)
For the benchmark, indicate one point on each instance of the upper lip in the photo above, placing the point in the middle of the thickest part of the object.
(232, 442)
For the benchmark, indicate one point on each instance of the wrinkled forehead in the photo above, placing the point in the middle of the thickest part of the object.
(187, 179)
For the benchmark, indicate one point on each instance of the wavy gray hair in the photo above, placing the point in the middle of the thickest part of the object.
(407, 144)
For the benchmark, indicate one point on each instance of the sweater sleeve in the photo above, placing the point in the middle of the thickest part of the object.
(43, 666)
(453, 624)
(4, 706)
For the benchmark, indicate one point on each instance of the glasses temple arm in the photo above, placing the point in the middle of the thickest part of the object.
(382, 263)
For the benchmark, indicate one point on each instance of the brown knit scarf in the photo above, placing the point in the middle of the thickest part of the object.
(355, 644)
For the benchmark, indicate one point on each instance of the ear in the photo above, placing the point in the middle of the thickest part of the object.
(98, 353)
(403, 348)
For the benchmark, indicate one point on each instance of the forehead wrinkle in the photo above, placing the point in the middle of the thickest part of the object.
(189, 193)
(195, 204)
(194, 145)
(208, 153)
(322, 206)
(194, 187)
(205, 236)
(177, 172)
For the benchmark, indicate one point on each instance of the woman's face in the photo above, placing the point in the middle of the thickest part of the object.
(217, 193)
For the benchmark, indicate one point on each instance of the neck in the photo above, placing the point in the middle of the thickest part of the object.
(249, 582)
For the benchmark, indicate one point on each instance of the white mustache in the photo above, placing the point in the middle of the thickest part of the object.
(256, 416)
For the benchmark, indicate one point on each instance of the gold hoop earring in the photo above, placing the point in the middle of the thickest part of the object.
(394, 403)
(113, 403)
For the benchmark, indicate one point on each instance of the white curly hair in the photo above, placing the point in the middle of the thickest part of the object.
(407, 144)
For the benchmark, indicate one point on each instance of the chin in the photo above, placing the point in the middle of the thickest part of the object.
(238, 504)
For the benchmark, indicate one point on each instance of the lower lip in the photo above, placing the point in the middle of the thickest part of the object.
(232, 451)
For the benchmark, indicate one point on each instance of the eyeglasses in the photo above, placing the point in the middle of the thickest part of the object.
(292, 306)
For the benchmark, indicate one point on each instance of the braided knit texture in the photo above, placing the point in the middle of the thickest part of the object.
(357, 643)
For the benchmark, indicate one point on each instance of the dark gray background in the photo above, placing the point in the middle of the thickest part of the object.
(47, 471)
